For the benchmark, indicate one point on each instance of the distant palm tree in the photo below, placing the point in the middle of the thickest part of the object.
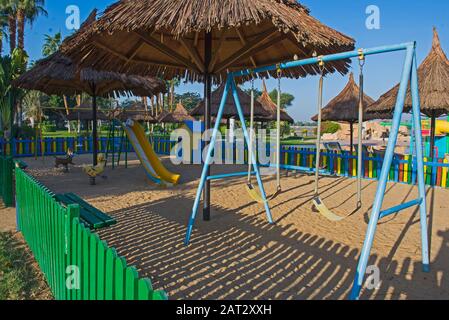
(9, 8)
(51, 44)
(3, 27)
(27, 11)
(32, 107)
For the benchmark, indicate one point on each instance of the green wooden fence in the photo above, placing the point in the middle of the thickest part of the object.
(76, 263)
(6, 180)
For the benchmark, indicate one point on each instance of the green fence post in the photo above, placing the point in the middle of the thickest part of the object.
(7, 181)
(73, 211)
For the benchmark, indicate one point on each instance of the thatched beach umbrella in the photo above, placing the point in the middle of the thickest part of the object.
(84, 112)
(271, 107)
(202, 40)
(230, 110)
(136, 112)
(179, 115)
(433, 76)
(345, 108)
(59, 74)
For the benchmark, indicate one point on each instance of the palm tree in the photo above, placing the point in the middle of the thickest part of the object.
(3, 27)
(51, 44)
(32, 106)
(27, 10)
(9, 9)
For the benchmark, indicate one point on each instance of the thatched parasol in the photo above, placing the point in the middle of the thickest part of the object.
(202, 40)
(84, 112)
(433, 76)
(169, 37)
(345, 107)
(59, 74)
(136, 112)
(230, 111)
(271, 108)
(179, 115)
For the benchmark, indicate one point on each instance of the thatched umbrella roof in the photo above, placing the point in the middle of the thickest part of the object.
(345, 106)
(136, 112)
(230, 110)
(58, 75)
(433, 76)
(179, 115)
(84, 112)
(271, 108)
(168, 37)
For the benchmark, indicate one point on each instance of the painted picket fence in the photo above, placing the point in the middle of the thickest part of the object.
(6, 180)
(25, 148)
(76, 263)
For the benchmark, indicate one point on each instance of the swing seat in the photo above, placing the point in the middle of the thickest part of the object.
(254, 194)
(325, 212)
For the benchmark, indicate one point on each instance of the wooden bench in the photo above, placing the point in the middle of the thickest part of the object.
(89, 215)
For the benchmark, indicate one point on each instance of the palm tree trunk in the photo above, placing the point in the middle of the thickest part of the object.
(12, 32)
(21, 29)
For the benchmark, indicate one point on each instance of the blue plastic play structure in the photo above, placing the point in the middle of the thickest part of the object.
(409, 74)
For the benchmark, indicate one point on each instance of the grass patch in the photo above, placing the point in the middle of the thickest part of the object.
(20, 278)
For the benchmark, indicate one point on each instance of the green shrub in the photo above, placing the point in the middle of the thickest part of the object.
(48, 126)
(330, 127)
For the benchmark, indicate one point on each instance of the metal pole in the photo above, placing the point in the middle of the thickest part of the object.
(420, 162)
(204, 174)
(382, 185)
(253, 156)
(207, 114)
(94, 127)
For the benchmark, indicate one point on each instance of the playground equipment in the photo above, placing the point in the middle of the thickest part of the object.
(153, 166)
(96, 170)
(409, 74)
(114, 150)
(65, 161)
(317, 202)
(249, 186)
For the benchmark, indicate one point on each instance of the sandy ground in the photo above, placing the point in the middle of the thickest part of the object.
(238, 255)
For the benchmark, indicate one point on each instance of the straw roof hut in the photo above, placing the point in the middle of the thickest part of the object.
(179, 115)
(170, 38)
(433, 76)
(271, 108)
(230, 110)
(345, 107)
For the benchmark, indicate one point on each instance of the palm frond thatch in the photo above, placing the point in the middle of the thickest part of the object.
(57, 74)
(271, 108)
(345, 106)
(230, 110)
(179, 115)
(167, 38)
(136, 112)
(433, 76)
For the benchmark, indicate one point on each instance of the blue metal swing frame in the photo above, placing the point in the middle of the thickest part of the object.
(409, 74)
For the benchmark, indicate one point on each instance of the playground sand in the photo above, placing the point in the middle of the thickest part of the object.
(238, 255)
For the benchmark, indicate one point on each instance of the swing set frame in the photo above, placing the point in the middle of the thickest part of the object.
(409, 75)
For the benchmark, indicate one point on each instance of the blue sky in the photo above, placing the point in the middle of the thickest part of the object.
(401, 21)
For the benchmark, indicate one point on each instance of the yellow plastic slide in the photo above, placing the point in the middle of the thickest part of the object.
(442, 128)
(147, 156)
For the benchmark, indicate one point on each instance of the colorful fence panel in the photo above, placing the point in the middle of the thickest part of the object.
(76, 263)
